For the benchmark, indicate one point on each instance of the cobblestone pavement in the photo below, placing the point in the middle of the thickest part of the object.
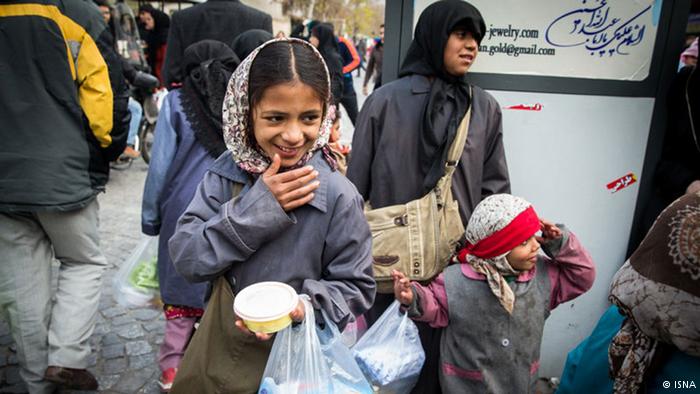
(125, 342)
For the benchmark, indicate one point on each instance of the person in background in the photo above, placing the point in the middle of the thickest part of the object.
(501, 277)
(361, 46)
(188, 139)
(324, 40)
(130, 73)
(648, 340)
(156, 25)
(246, 43)
(678, 170)
(220, 20)
(61, 125)
(405, 129)
(351, 61)
(374, 65)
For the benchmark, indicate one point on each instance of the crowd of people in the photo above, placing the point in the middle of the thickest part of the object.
(248, 183)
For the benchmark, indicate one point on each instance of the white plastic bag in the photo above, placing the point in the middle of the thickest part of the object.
(346, 376)
(353, 331)
(296, 364)
(136, 282)
(390, 353)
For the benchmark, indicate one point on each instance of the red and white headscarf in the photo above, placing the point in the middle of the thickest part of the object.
(499, 223)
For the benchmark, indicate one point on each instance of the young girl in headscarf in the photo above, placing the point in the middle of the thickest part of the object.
(188, 139)
(289, 222)
(648, 341)
(404, 130)
(501, 278)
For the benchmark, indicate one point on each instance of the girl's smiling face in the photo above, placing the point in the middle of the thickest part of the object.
(287, 120)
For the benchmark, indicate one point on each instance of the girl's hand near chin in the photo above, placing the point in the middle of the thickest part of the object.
(292, 189)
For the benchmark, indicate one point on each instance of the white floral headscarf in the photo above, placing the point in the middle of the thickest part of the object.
(236, 109)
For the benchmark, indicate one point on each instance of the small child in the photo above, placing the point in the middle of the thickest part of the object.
(495, 301)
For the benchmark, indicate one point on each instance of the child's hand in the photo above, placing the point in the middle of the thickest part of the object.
(261, 336)
(549, 231)
(292, 189)
(402, 288)
(298, 313)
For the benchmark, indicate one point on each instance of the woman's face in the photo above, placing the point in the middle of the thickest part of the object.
(147, 19)
(460, 51)
(287, 120)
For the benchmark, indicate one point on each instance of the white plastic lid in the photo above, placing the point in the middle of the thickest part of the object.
(265, 301)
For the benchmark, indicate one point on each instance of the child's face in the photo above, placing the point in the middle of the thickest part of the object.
(460, 52)
(524, 256)
(286, 121)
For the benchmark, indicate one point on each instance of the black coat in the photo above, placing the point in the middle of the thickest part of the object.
(221, 20)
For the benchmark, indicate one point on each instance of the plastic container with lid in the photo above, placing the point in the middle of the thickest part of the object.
(265, 306)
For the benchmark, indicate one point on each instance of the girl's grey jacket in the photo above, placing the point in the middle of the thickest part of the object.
(322, 249)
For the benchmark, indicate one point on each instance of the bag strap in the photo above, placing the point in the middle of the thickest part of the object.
(443, 185)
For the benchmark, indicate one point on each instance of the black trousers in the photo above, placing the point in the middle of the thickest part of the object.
(349, 102)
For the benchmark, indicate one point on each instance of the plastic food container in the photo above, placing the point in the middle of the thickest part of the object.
(265, 306)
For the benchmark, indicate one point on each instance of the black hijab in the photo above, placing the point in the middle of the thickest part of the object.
(247, 41)
(425, 57)
(208, 65)
(157, 37)
(328, 47)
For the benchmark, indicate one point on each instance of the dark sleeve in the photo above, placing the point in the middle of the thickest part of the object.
(360, 165)
(172, 72)
(495, 178)
(120, 92)
(672, 175)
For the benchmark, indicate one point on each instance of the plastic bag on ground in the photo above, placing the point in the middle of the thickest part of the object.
(390, 352)
(136, 282)
(346, 376)
(296, 364)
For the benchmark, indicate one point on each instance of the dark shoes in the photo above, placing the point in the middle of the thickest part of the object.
(76, 379)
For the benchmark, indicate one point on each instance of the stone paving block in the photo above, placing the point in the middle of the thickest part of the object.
(19, 388)
(115, 366)
(92, 359)
(100, 329)
(3, 360)
(138, 348)
(132, 331)
(158, 327)
(5, 340)
(132, 382)
(107, 381)
(121, 320)
(113, 312)
(146, 314)
(12, 375)
(143, 361)
(113, 351)
(110, 339)
(12, 359)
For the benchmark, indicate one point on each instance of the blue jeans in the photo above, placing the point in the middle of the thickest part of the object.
(136, 113)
